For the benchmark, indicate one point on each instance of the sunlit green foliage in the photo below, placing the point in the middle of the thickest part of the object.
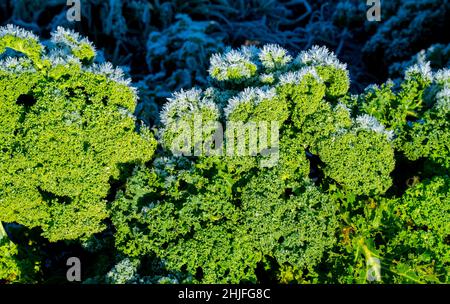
(66, 132)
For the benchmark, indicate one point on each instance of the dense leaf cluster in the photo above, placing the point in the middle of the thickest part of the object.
(223, 218)
(66, 132)
(348, 188)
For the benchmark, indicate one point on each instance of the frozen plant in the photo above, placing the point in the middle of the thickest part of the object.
(67, 116)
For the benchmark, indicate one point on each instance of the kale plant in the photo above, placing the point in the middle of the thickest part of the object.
(66, 133)
(416, 110)
(223, 217)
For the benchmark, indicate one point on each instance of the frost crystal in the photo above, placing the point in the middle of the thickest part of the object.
(18, 32)
(368, 122)
(273, 56)
(267, 78)
(186, 102)
(342, 106)
(319, 56)
(70, 38)
(234, 64)
(421, 69)
(16, 65)
(442, 76)
(297, 76)
(114, 73)
(443, 99)
(60, 57)
(252, 95)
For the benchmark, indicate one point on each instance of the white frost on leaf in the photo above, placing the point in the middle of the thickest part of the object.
(187, 101)
(70, 38)
(18, 32)
(442, 77)
(422, 70)
(250, 95)
(317, 56)
(297, 76)
(17, 65)
(443, 100)
(273, 56)
(113, 73)
(239, 63)
(58, 56)
(368, 122)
